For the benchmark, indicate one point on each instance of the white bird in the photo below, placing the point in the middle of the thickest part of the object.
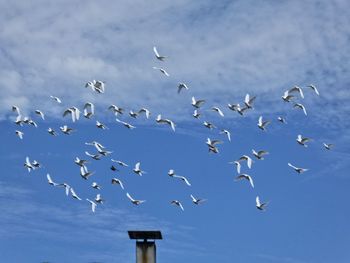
(297, 169)
(19, 121)
(84, 173)
(146, 111)
(28, 164)
(80, 162)
(137, 169)
(228, 134)
(181, 86)
(119, 162)
(94, 156)
(66, 187)
(248, 101)
(196, 114)
(238, 166)
(159, 57)
(246, 177)
(302, 141)
(49, 180)
(16, 109)
(51, 131)
(165, 121)
(297, 89)
(177, 202)
(300, 106)
(133, 114)
(262, 124)
(95, 186)
(66, 130)
(314, 89)
(74, 195)
(216, 109)
(36, 164)
(57, 99)
(101, 149)
(93, 205)
(19, 134)
(127, 125)
(74, 112)
(197, 103)
(197, 201)
(89, 110)
(96, 144)
(134, 201)
(96, 85)
(260, 154)
(116, 109)
(40, 113)
(259, 205)
(98, 199)
(26, 120)
(117, 181)
(237, 107)
(212, 145)
(209, 125)
(287, 97)
(248, 159)
(281, 119)
(101, 125)
(171, 173)
(328, 146)
(162, 70)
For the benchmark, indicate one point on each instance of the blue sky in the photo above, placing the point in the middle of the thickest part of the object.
(222, 51)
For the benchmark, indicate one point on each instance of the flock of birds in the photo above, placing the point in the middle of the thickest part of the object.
(290, 96)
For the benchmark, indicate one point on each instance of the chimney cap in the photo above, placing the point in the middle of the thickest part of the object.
(145, 235)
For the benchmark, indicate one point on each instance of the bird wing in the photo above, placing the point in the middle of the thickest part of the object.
(257, 200)
(156, 52)
(129, 196)
(289, 164)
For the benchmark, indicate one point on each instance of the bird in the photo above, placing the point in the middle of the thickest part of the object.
(66, 130)
(53, 132)
(57, 99)
(119, 162)
(196, 114)
(137, 169)
(181, 86)
(96, 144)
(93, 205)
(281, 119)
(197, 103)
(36, 164)
(212, 145)
(133, 114)
(287, 97)
(162, 70)
(237, 107)
(259, 205)
(216, 109)
(84, 173)
(297, 169)
(297, 89)
(146, 111)
(178, 203)
(116, 109)
(74, 112)
(101, 150)
(246, 158)
(101, 125)
(300, 106)
(228, 134)
(66, 187)
(246, 177)
(238, 166)
(165, 121)
(328, 146)
(94, 156)
(260, 154)
(80, 162)
(159, 57)
(16, 109)
(19, 121)
(95, 186)
(127, 125)
(96, 85)
(74, 195)
(89, 110)
(171, 173)
(302, 140)
(40, 113)
(262, 124)
(98, 199)
(134, 201)
(117, 181)
(28, 164)
(113, 168)
(209, 125)
(197, 201)
(49, 180)
(313, 87)
(248, 101)
(19, 134)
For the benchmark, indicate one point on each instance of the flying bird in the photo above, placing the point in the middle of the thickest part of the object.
(93, 205)
(287, 97)
(228, 134)
(89, 110)
(259, 205)
(101, 125)
(181, 86)
(262, 124)
(238, 166)
(74, 195)
(300, 106)
(146, 111)
(178, 203)
(94, 156)
(246, 158)
(165, 121)
(137, 169)
(65, 129)
(260, 154)
(116, 109)
(49, 180)
(95, 186)
(302, 140)
(197, 201)
(197, 103)
(248, 101)
(117, 181)
(66, 187)
(52, 131)
(328, 146)
(127, 125)
(74, 112)
(314, 89)
(216, 109)
(162, 70)
(119, 162)
(159, 57)
(40, 113)
(28, 164)
(297, 169)
(19, 134)
(297, 89)
(98, 199)
(134, 201)
(209, 125)
(196, 114)
(171, 173)
(84, 173)
(281, 119)
(246, 177)
(57, 99)
(80, 162)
